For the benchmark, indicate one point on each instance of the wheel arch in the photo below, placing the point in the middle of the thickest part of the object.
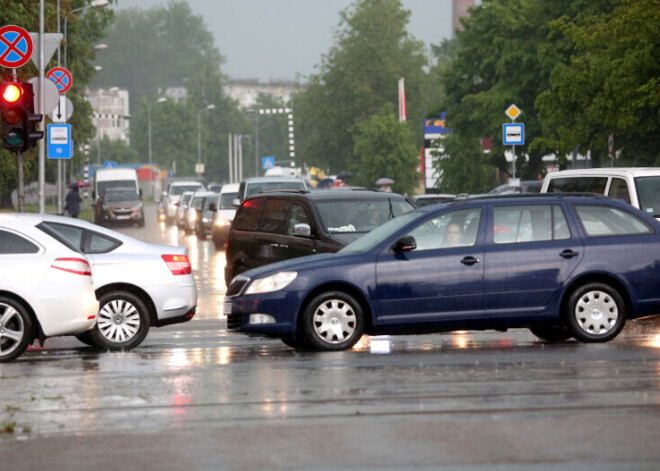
(338, 286)
(137, 291)
(596, 278)
(37, 331)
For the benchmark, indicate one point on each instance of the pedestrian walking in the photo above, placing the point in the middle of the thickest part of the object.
(73, 200)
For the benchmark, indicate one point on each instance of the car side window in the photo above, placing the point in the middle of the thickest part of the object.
(599, 221)
(99, 243)
(619, 190)
(529, 223)
(274, 217)
(298, 216)
(11, 243)
(452, 229)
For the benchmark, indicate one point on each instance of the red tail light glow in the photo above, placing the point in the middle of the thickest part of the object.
(178, 264)
(73, 265)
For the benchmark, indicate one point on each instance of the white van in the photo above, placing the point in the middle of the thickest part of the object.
(639, 187)
(105, 178)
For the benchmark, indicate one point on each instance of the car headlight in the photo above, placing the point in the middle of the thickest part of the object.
(222, 222)
(274, 282)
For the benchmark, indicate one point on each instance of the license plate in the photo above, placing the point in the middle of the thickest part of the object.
(123, 217)
(226, 308)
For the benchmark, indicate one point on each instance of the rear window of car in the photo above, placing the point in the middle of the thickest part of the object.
(80, 239)
(648, 194)
(578, 184)
(255, 188)
(599, 221)
(11, 243)
(179, 189)
(247, 216)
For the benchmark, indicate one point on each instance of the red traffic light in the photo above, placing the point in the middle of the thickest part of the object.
(12, 93)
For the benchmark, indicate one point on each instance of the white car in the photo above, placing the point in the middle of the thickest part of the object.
(224, 214)
(192, 213)
(182, 208)
(138, 284)
(46, 287)
(171, 196)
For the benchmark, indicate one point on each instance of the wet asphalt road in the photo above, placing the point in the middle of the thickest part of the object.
(196, 397)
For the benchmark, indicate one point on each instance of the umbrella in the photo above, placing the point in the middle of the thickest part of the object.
(325, 183)
(345, 175)
(78, 184)
(384, 181)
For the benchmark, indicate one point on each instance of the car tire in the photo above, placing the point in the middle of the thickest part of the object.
(595, 312)
(552, 333)
(332, 321)
(123, 322)
(14, 320)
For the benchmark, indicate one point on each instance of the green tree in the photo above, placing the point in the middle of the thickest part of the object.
(84, 29)
(373, 50)
(384, 147)
(273, 130)
(611, 85)
(505, 55)
(464, 166)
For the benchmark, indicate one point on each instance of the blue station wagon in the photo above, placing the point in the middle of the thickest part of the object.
(562, 266)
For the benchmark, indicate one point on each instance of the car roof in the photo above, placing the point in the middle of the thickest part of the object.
(352, 194)
(271, 179)
(229, 188)
(619, 171)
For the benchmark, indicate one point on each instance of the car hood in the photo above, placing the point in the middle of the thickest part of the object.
(347, 237)
(310, 262)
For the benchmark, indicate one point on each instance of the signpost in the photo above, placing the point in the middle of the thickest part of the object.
(15, 46)
(513, 134)
(268, 162)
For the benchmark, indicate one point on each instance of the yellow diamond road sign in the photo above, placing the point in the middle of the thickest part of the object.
(513, 112)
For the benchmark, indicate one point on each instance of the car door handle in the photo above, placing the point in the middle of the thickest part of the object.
(569, 253)
(470, 261)
(274, 245)
(284, 246)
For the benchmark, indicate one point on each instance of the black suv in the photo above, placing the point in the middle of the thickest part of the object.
(275, 226)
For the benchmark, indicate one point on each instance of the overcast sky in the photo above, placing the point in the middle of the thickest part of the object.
(277, 39)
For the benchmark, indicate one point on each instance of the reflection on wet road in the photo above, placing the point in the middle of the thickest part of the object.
(466, 398)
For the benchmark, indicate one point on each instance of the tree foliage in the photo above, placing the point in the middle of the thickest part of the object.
(372, 51)
(463, 166)
(385, 148)
(611, 85)
(84, 29)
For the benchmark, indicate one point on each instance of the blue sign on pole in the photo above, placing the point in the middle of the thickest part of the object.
(513, 134)
(268, 162)
(60, 145)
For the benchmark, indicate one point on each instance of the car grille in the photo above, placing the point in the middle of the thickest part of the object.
(236, 286)
(234, 321)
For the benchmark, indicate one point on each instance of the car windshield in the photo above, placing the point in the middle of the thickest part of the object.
(106, 185)
(359, 215)
(375, 237)
(226, 200)
(128, 195)
(648, 193)
(179, 189)
(255, 188)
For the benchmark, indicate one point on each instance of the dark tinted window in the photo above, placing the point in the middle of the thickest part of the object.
(274, 217)
(298, 216)
(648, 194)
(247, 216)
(80, 239)
(578, 184)
(99, 243)
(11, 243)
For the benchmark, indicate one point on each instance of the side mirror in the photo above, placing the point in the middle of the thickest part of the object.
(404, 244)
(213, 208)
(302, 230)
(236, 203)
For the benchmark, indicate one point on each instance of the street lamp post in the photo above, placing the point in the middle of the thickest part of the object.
(199, 138)
(151, 175)
(94, 4)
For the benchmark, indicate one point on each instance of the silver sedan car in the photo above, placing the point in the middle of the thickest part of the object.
(138, 284)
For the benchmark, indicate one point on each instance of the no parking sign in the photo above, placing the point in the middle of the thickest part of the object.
(61, 77)
(15, 46)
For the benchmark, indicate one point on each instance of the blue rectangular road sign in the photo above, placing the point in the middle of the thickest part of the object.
(513, 134)
(60, 145)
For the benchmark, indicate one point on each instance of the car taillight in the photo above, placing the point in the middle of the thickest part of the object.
(178, 264)
(73, 265)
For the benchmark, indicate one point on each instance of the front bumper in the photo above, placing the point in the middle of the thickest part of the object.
(280, 306)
